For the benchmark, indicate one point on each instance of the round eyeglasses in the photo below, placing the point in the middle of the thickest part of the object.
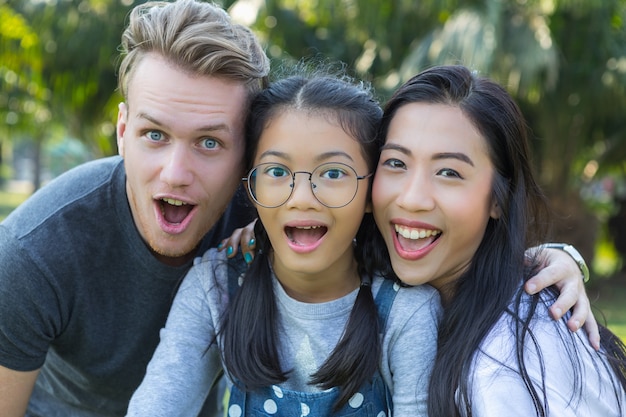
(333, 184)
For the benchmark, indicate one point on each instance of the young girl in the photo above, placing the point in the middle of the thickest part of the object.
(457, 203)
(313, 329)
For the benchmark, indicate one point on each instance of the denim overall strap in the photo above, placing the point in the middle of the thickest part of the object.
(384, 300)
(236, 268)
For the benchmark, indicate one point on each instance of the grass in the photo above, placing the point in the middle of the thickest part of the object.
(607, 296)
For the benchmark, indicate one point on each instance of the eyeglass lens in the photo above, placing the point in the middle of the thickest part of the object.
(334, 184)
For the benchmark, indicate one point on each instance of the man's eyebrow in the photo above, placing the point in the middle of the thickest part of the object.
(207, 128)
(149, 118)
(454, 155)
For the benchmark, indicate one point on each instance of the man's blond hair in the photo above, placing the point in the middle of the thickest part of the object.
(198, 38)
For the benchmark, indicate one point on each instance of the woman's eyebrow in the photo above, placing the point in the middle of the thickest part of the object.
(453, 155)
(395, 147)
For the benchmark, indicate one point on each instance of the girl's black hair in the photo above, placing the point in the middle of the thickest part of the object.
(251, 356)
(498, 268)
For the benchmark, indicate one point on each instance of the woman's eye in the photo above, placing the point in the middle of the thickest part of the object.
(394, 163)
(450, 173)
(209, 143)
(155, 135)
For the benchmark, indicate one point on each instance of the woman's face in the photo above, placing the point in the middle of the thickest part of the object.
(432, 193)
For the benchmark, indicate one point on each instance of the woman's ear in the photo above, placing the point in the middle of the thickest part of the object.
(495, 211)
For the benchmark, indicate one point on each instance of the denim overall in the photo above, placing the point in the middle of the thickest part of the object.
(373, 399)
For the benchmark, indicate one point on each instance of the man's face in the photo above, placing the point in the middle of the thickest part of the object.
(181, 137)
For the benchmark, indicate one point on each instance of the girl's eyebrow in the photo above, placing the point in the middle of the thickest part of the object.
(319, 158)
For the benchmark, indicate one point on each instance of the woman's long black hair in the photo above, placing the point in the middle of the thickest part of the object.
(251, 356)
(493, 279)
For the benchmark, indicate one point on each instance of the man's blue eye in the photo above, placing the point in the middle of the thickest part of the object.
(155, 135)
(210, 143)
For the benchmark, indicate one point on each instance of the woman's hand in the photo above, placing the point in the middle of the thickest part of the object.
(559, 269)
(244, 237)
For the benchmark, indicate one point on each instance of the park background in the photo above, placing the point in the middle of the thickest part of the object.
(564, 61)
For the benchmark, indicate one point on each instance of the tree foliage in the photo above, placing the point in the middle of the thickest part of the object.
(61, 63)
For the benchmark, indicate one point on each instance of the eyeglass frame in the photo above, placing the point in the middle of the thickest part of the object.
(246, 179)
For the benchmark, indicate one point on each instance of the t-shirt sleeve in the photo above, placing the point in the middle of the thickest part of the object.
(497, 391)
(183, 367)
(29, 314)
(496, 386)
(411, 346)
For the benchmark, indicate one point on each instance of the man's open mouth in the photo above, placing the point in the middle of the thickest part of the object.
(174, 211)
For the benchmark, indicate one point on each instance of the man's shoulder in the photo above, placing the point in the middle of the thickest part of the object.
(70, 197)
(88, 175)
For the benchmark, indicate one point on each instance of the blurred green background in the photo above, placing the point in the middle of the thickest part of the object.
(563, 60)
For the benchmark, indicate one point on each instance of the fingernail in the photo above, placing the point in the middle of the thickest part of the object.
(220, 246)
(577, 324)
(251, 242)
(229, 251)
(248, 258)
(558, 312)
(531, 288)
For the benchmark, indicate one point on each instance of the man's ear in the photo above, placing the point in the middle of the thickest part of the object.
(122, 118)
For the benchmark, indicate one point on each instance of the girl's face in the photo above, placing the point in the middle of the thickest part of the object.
(432, 193)
(312, 244)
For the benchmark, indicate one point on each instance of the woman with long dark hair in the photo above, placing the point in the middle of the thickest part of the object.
(457, 204)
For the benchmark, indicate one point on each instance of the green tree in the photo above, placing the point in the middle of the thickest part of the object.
(62, 70)
(22, 94)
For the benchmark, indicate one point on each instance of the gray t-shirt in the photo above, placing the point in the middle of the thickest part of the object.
(180, 373)
(81, 295)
